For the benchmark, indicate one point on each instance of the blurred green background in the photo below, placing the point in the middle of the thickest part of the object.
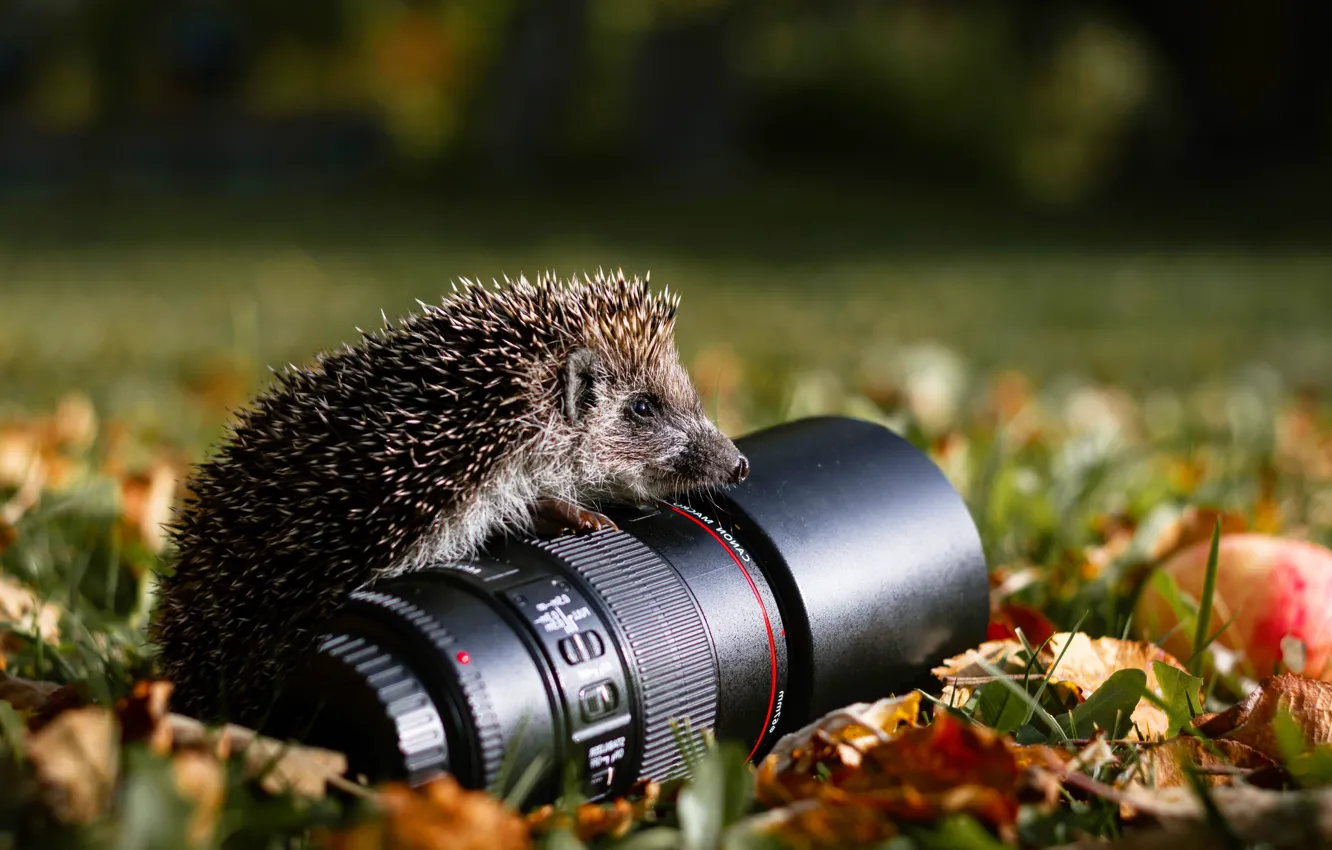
(1120, 191)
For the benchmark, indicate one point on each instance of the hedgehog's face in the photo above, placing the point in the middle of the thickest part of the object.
(642, 430)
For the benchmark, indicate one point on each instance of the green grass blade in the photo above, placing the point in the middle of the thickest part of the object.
(1205, 603)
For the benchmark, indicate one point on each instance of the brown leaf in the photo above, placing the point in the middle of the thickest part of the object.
(25, 695)
(200, 778)
(1250, 722)
(918, 774)
(595, 820)
(20, 453)
(1088, 663)
(441, 815)
(1084, 667)
(21, 607)
(74, 423)
(62, 699)
(838, 739)
(1216, 761)
(814, 825)
(144, 715)
(280, 767)
(145, 503)
(961, 674)
(76, 758)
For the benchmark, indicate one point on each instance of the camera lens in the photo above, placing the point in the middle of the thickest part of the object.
(840, 570)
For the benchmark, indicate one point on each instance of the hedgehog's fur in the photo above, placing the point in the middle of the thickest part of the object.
(416, 446)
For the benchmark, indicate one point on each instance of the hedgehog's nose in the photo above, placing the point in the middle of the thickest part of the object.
(741, 471)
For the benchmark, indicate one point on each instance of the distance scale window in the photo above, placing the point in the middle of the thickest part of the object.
(594, 680)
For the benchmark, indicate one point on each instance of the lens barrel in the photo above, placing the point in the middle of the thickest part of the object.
(841, 570)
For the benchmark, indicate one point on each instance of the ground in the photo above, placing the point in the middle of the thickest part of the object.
(1090, 384)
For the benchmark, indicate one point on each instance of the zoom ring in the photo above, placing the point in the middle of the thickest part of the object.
(416, 722)
(667, 643)
(489, 735)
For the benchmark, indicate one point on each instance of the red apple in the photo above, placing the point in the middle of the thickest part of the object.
(1274, 588)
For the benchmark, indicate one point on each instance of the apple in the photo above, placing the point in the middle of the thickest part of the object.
(1277, 590)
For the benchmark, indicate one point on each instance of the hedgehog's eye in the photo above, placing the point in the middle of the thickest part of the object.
(642, 408)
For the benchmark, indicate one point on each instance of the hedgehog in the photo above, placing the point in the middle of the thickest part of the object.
(504, 409)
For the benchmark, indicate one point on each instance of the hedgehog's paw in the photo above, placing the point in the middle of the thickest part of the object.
(555, 517)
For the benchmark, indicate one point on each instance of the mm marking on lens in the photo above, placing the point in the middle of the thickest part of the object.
(767, 623)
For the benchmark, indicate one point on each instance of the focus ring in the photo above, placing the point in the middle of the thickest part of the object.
(490, 737)
(416, 722)
(667, 644)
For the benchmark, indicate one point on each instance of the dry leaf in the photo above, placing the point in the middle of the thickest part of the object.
(1088, 663)
(962, 674)
(8, 535)
(21, 608)
(25, 695)
(144, 715)
(200, 778)
(918, 774)
(1085, 666)
(280, 767)
(1218, 762)
(145, 503)
(813, 825)
(76, 758)
(74, 423)
(1309, 702)
(849, 731)
(1254, 815)
(20, 453)
(440, 815)
(595, 820)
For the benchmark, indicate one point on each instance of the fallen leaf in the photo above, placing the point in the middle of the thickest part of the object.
(963, 673)
(1250, 722)
(814, 825)
(1088, 663)
(21, 608)
(76, 759)
(146, 499)
(143, 715)
(918, 774)
(26, 695)
(73, 425)
(20, 453)
(595, 820)
(1255, 816)
(201, 779)
(62, 699)
(1165, 766)
(280, 767)
(440, 815)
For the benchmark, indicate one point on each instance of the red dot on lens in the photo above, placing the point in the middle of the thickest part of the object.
(464, 658)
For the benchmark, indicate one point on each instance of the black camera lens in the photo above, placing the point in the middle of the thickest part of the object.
(841, 570)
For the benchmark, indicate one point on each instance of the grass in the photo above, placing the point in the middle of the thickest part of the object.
(1075, 389)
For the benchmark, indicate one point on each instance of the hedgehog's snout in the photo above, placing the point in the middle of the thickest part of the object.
(741, 471)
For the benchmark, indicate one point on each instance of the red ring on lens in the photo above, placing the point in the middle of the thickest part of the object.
(767, 623)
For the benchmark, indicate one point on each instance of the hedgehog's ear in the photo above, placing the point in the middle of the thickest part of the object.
(579, 371)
